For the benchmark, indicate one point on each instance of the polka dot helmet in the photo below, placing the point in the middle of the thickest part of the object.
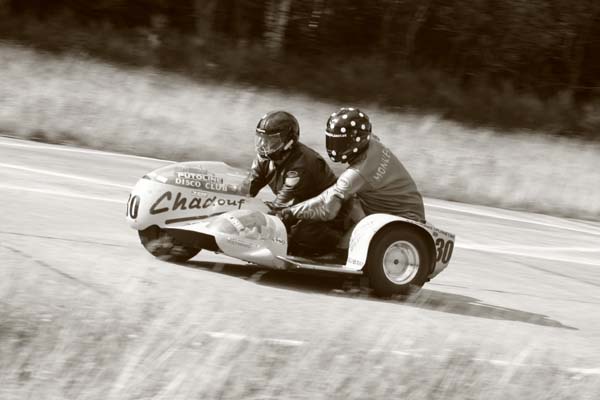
(347, 134)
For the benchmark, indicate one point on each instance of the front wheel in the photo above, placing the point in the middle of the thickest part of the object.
(398, 262)
(162, 245)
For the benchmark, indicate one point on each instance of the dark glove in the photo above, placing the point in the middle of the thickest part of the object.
(286, 215)
(283, 213)
(273, 209)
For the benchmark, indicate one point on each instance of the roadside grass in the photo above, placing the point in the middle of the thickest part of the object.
(77, 100)
(136, 348)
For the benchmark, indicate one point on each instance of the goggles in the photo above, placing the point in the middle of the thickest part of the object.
(268, 144)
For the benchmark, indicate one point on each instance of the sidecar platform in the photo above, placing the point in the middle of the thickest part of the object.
(323, 263)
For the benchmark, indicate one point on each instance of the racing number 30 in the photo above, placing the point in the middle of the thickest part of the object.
(133, 206)
(444, 250)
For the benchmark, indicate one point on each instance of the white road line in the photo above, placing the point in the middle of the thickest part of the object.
(61, 175)
(506, 363)
(60, 193)
(545, 248)
(517, 247)
(240, 337)
(488, 249)
(491, 214)
(225, 335)
(46, 146)
(284, 342)
(500, 363)
(473, 247)
(585, 371)
(429, 203)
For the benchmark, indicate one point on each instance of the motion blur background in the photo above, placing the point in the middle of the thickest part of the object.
(492, 102)
(486, 101)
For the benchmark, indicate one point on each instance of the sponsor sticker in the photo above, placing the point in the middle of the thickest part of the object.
(203, 180)
(236, 223)
(383, 164)
(178, 201)
(354, 261)
(279, 240)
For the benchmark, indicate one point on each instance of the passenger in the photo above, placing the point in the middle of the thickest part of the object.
(374, 175)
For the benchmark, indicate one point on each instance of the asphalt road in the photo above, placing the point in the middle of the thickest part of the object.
(85, 312)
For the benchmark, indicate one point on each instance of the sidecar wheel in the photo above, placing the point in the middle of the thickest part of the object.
(162, 245)
(398, 262)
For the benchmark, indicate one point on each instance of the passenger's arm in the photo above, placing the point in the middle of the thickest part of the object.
(326, 206)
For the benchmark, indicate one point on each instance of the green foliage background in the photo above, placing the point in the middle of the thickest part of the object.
(506, 63)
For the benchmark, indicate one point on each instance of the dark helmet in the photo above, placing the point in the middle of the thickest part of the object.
(276, 133)
(348, 133)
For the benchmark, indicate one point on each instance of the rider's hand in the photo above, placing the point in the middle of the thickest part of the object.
(285, 214)
(273, 209)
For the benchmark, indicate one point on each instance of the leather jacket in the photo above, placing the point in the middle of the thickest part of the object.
(302, 174)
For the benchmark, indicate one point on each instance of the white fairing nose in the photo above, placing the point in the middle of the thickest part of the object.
(188, 192)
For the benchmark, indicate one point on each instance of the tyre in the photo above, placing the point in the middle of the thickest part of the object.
(398, 262)
(162, 245)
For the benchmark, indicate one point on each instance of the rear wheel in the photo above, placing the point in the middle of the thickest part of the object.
(162, 245)
(398, 262)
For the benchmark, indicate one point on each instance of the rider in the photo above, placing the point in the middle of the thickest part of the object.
(374, 175)
(294, 173)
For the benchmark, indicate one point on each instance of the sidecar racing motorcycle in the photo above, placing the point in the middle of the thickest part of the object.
(183, 208)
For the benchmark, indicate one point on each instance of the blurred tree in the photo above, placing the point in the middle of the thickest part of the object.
(548, 46)
(348, 27)
(35, 8)
(240, 19)
(336, 27)
(577, 22)
(204, 12)
(277, 15)
(298, 36)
